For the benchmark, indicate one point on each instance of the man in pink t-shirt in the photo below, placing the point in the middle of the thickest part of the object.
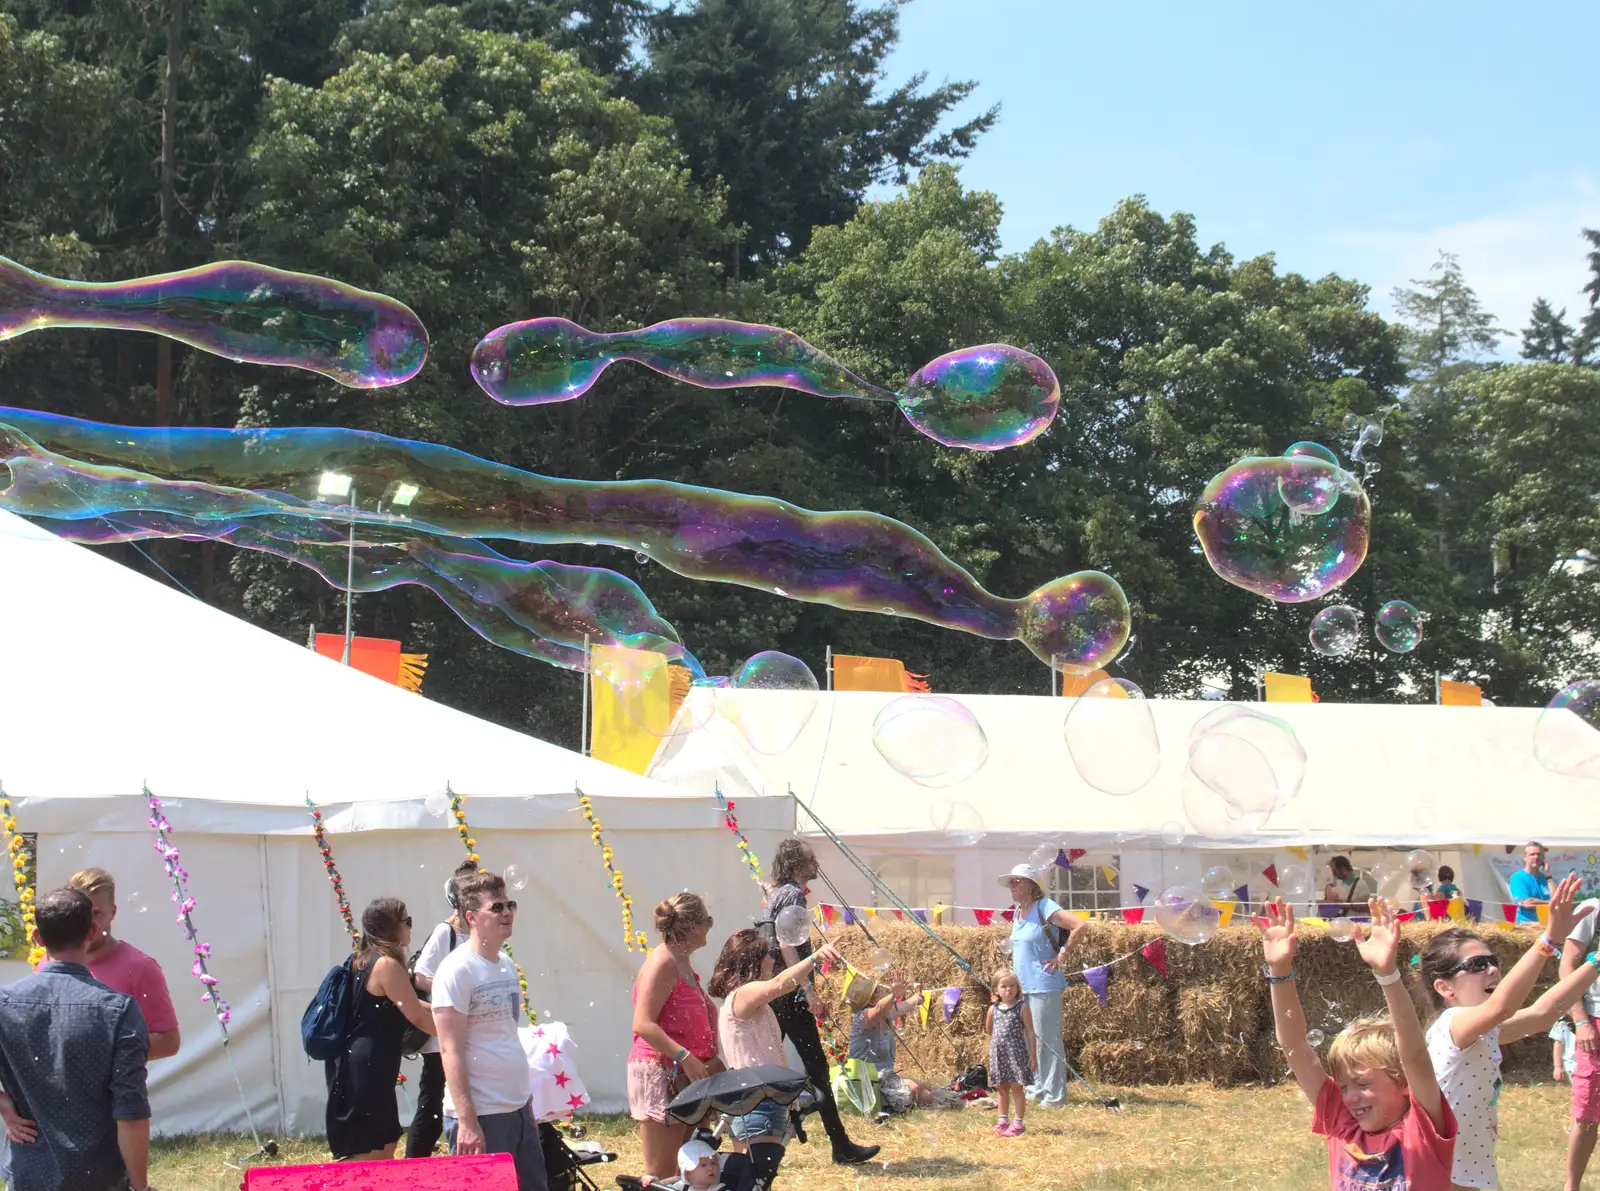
(123, 967)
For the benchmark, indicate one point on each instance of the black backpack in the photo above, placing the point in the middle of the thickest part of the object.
(327, 1021)
(413, 1040)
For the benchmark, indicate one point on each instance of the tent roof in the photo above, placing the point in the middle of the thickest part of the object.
(115, 680)
(1375, 774)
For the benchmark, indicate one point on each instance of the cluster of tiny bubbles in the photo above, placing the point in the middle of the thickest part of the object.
(436, 803)
(1310, 487)
(1243, 765)
(1419, 866)
(1254, 538)
(958, 821)
(770, 700)
(792, 926)
(932, 739)
(1335, 631)
(1111, 737)
(1341, 930)
(880, 959)
(1217, 884)
(1566, 736)
(1314, 1038)
(514, 877)
(1187, 914)
(1294, 881)
(1398, 627)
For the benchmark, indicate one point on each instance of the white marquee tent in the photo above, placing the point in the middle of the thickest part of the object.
(1377, 776)
(114, 681)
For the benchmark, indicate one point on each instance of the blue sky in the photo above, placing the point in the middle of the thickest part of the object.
(1358, 138)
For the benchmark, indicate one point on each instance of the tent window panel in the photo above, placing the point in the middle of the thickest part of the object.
(13, 940)
(921, 882)
(1087, 885)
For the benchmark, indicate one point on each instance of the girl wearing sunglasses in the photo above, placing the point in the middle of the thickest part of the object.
(1480, 1011)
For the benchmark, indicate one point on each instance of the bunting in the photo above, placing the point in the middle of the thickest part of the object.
(1242, 895)
(1438, 907)
(951, 996)
(1271, 874)
(1108, 872)
(1140, 892)
(1098, 979)
(1155, 953)
(1133, 915)
(984, 917)
(1298, 853)
(927, 1003)
(1225, 911)
(1474, 910)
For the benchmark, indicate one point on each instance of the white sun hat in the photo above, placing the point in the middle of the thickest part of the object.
(1025, 871)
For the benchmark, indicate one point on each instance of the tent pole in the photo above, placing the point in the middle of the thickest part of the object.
(349, 576)
(1438, 691)
(1053, 677)
(827, 662)
(272, 983)
(583, 723)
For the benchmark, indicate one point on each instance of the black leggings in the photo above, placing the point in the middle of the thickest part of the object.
(799, 1027)
(428, 1125)
(754, 1171)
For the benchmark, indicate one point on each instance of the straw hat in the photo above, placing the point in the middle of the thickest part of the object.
(1026, 871)
(864, 990)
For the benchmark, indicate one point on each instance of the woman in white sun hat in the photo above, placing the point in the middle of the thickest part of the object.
(1041, 935)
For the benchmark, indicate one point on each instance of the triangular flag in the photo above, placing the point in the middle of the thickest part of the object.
(984, 917)
(1097, 979)
(1313, 921)
(849, 979)
(1062, 860)
(1544, 914)
(1108, 872)
(938, 915)
(827, 914)
(1133, 915)
(1298, 853)
(872, 915)
(1140, 892)
(1155, 951)
(1508, 926)
(951, 996)
(1456, 911)
(1476, 849)
(1242, 894)
(1225, 910)
(921, 916)
(1270, 873)
(1074, 853)
(849, 916)
(898, 917)
(927, 1002)
(1508, 911)
(1474, 910)
(1438, 907)
(1009, 915)
(1408, 916)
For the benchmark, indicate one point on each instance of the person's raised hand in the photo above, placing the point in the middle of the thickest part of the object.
(1562, 916)
(1276, 924)
(1379, 943)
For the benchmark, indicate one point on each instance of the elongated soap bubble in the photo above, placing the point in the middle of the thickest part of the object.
(1566, 736)
(983, 398)
(1398, 627)
(932, 739)
(71, 469)
(245, 311)
(1252, 760)
(770, 700)
(1335, 631)
(1187, 915)
(1256, 540)
(1111, 737)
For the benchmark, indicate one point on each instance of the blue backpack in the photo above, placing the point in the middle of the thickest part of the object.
(325, 1024)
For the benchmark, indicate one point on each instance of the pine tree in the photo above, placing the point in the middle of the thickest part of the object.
(1548, 337)
(1588, 339)
(1446, 326)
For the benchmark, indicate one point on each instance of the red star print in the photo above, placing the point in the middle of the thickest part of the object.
(538, 1032)
(552, 1050)
(575, 1101)
(562, 1079)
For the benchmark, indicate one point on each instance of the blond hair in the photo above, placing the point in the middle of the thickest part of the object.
(1369, 1043)
(1002, 975)
(90, 881)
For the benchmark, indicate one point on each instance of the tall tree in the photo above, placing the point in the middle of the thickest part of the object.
(779, 101)
(1448, 330)
(1586, 349)
(1548, 337)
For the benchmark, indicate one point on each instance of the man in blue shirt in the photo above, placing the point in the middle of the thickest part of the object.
(72, 1066)
(1530, 886)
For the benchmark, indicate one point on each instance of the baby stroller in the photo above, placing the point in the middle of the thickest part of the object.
(564, 1163)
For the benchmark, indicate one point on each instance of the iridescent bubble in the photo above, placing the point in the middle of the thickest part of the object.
(1187, 915)
(1341, 930)
(880, 959)
(1172, 833)
(982, 398)
(1391, 883)
(932, 739)
(770, 700)
(792, 926)
(245, 311)
(959, 821)
(516, 880)
(1217, 884)
(1314, 1038)
(1043, 856)
(1252, 760)
(73, 470)
(1419, 867)
(1111, 737)
(1566, 736)
(1335, 631)
(1398, 627)
(1256, 541)
(1310, 484)
(1294, 881)
(1311, 450)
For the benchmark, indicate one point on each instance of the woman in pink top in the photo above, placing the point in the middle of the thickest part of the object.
(750, 1036)
(673, 1031)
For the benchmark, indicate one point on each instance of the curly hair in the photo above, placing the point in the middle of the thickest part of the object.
(739, 963)
(793, 856)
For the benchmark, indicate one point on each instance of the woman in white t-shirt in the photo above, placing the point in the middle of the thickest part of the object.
(1480, 1012)
(427, 1124)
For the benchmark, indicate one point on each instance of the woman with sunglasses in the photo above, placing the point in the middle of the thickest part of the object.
(363, 1119)
(1480, 1011)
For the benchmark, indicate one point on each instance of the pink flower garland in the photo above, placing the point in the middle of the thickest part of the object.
(172, 860)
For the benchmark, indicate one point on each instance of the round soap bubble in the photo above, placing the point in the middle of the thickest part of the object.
(1335, 631)
(1391, 883)
(1043, 856)
(514, 877)
(1310, 485)
(1254, 539)
(1566, 736)
(1187, 915)
(1314, 1038)
(1419, 867)
(1217, 884)
(1398, 627)
(932, 739)
(770, 700)
(792, 926)
(1212, 816)
(880, 959)
(1341, 930)
(1172, 833)
(1252, 760)
(1294, 881)
(1111, 737)
(1004, 944)
(958, 821)
(1311, 450)
(436, 804)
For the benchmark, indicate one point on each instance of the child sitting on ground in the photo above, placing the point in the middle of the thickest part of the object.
(1387, 1124)
(872, 1040)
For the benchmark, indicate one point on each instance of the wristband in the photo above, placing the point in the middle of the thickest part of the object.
(1386, 979)
(683, 1053)
(1548, 949)
(1271, 979)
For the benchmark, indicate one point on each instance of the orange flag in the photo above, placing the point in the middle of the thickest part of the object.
(1073, 685)
(1459, 694)
(377, 656)
(1288, 688)
(852, 673)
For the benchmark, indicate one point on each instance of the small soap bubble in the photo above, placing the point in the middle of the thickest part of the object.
(1187, 915)
(770, 700)
(436, 803)
(1314, 1038)
(880, 959)
(1566, 736)
(1341, 930)
(1398, 627)
(1294, 881)
(1172, 833)
(1419, 868)
(514, 877)
(1310, 485)
(1217, 884)
(1335, 631)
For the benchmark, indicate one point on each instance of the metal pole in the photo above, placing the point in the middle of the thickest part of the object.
(350, 577)
(588, 677)
(1438, 690)
(827, 662)
(1053, 677)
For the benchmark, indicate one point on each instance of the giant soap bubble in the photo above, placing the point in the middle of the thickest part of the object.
(1398, 627)
(1566, 736)
(1111, 737)
(792, 926)
(1255, 539)
(932, 739)
(1187, 915)
(982, 398)
(770, 700)
(1335, 631)
(245, 311)
(959, 822)
(1253, 761)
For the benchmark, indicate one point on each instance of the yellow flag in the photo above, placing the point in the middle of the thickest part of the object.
(927, 1000)
(1109, 873)
(1544, 914)
(1476, 848)
(1507, 926)
(870, 912)
(1226, 909)
(1287, 688)
(1457, 909)
(852, 673)
(1459, 694)
(632, 704)
(1298, 853)
(938, 914)
(1313, 921)
(849, 979)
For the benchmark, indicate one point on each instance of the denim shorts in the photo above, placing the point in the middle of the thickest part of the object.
(767, 1118)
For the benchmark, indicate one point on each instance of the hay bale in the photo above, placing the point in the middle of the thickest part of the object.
(1125, 1064)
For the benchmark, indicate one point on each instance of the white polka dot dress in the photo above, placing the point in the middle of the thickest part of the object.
(1470, 1080)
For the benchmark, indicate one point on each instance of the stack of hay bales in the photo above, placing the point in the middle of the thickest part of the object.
(1209, 1021)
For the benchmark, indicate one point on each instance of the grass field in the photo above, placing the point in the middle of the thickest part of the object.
(1166, 1139)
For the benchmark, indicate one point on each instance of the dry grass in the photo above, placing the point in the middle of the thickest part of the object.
(1167, 1139)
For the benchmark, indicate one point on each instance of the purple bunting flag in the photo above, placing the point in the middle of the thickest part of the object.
(1474, 909)
(921, 916)
(951, 996)
(1097, 979)
(1061, 860)
(1140, 892)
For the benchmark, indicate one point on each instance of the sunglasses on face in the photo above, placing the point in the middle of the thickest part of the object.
(1477, 965)
(407, 921)
(497, 908)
